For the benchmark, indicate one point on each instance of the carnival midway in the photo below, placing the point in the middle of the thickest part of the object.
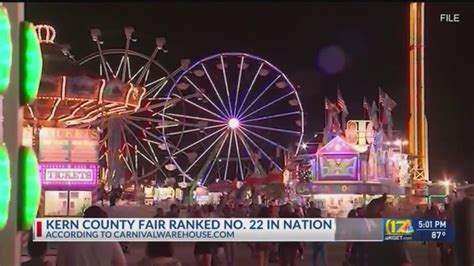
(120, 137)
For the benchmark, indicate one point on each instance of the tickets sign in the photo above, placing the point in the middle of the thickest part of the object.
(61, 175)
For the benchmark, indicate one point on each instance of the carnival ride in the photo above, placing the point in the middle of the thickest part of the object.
(244, 114)
(133, 137)
(213, 122)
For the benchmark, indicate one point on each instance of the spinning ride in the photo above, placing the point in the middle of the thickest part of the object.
(131, 138)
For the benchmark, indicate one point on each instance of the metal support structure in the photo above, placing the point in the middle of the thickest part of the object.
(418, 125)
(10, 250)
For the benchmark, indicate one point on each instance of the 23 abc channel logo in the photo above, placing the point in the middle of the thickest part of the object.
(398, 229)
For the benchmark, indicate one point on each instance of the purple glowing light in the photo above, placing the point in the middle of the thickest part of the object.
(233, 123)
(331, 60)
(69, 175)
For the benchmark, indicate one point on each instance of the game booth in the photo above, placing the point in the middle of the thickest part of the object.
(347, 175)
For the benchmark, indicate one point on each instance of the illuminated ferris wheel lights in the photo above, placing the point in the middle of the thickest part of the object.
(281, 84)
(228, 99)
(233, 123)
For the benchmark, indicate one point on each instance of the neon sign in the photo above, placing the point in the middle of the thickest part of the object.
(338, 167)
(59, 175)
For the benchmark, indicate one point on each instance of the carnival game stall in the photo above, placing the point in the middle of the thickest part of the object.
(340, 184)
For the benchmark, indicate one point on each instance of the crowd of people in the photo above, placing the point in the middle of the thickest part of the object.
(264, 253)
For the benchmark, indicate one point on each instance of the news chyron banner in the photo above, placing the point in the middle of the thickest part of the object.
(241, 230)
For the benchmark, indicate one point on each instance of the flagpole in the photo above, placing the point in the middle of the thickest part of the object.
(326, 112)
(380, 109)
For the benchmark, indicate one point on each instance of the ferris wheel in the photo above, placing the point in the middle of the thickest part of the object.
(132, 140)
(243, 115)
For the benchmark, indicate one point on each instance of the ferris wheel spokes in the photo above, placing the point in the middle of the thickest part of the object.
(205, 151)
(213, 162)
(198, 106)
(128, 159)
(251, 86)
(274, 129)
(130, 131)
(199, 141)
(159, 87)
(159, 46)
(265, 139)
(208, 99)
(271, 116)
(260, 95)
(260, 149)
(238, 156)
(195, 117)
(229, 149)
(239, 79)
(247, 148)
(226, 87)
(267, 105)
(151, 158)
(152, 83)
(215, 90)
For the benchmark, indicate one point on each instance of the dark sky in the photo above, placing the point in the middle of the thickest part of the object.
(373, 38)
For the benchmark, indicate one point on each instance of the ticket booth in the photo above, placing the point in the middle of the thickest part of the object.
(69, 170)
(68, 188)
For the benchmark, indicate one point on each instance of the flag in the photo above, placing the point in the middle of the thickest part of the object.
(332, 121)
(366, 108)
(335, 125)
(341, 104)
(373, 115)
(382, 117)
(381, 96)
(389, 103)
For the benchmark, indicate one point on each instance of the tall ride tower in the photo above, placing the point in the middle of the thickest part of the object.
(418, 125)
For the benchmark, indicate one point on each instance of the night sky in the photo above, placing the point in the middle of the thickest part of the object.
(320, 46)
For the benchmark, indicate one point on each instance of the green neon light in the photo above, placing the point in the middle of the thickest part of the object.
(5, 185)
(5, 50)
(31, 63)
(29, 188)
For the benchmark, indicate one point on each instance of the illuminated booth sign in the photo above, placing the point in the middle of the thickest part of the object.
(337, 167)
(359, 132)
(67, 176)
(338, 161)
(67, 145)
(345, 188)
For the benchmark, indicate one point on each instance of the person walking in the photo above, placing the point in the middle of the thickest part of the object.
(319, 249)
(101, 193)
(288, 251)
(263, 249)
(390, 253)
(37, 252)
(229, 247)
(160, 213)
(202, 250)
(159, 254)
(90, 253)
